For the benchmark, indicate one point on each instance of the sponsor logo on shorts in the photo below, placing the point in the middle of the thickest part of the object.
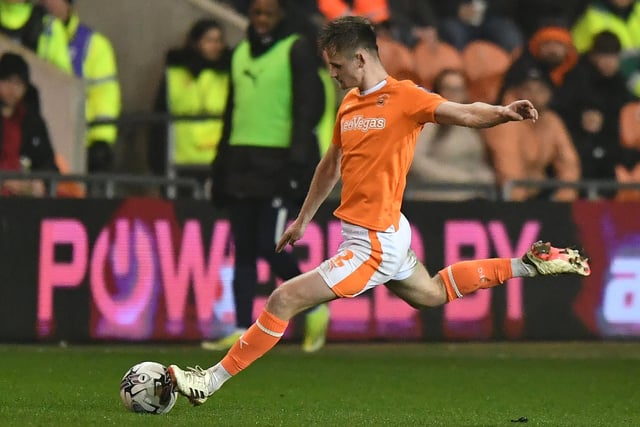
(363, 124)
(338, 260)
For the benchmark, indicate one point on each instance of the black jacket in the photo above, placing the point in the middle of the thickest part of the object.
(263, 173)
(586, 89)
(36, 144)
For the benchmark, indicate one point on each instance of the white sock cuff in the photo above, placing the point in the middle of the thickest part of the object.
(219, 376)
(519, 268)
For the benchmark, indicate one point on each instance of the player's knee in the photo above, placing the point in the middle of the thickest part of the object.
(282, 303)
(431, 293)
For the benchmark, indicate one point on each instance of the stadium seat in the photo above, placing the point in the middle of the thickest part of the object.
(430, 59)
(68, 188)
(623, 176)
(397, 59)
(485, 64)
(630, 125)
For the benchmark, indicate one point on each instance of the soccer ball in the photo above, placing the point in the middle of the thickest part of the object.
(147, 388)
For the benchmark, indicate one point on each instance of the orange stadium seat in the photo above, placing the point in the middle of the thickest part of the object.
(630, 125)
(397, 59)
(431, 59)
(485, 64)
(68, 188)
(628, 176)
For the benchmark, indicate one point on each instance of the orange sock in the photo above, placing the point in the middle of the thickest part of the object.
(258, 339)
(465, 277)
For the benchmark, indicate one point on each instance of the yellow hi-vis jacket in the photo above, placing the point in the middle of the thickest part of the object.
(94, 61)
(33, 28)
(196, 142)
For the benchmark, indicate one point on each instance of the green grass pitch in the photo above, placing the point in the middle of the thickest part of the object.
(427, 384)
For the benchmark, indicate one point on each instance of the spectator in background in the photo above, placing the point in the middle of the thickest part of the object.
(31, 26)
(195, 82)
(621, 17)
(413, 22)
(304, 17)
(24, 139)
(93, 60)
(267, 155)
(462, 21)
(534, 151)
(590, 102)
(550, 50)
(448, 153)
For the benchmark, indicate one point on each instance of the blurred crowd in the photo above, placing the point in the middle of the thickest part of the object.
(54, 32)
(578, 61)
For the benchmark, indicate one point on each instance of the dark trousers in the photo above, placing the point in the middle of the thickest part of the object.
(254, 224)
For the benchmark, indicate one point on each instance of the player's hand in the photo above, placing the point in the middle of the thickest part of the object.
(521, 110)
(292, 234)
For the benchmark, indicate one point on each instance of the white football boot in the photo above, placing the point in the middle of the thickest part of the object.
(193, 383)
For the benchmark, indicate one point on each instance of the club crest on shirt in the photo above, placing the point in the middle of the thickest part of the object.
(382, 99)
(363, 124)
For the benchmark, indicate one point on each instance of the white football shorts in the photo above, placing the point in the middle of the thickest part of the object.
(368, 258)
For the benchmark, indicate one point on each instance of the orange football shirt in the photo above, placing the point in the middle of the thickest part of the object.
(377, 134)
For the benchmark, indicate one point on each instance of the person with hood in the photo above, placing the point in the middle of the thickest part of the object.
(267, 155)
(621, 17)
(24, 139)
(550, 50)
(195, 82)
(93, 60)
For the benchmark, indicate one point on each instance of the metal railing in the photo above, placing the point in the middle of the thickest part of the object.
(485, 191)
(591, 187)
(166, 119)
(106, 181)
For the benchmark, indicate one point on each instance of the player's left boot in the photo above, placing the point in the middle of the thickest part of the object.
(550, 260)
(193, 383)
(224, 343)
(316, 325)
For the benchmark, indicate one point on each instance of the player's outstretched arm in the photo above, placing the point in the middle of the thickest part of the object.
(481, 115)
(324, 179)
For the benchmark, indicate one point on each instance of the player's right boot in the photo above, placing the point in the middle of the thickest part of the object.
(193, 383)
(549, 260)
